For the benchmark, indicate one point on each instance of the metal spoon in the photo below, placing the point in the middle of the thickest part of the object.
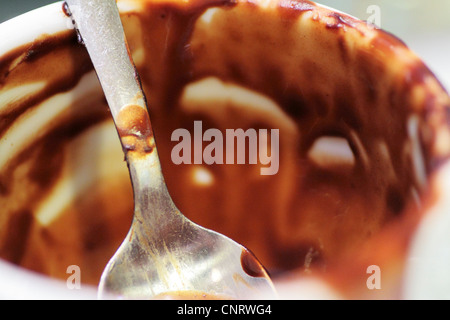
(164, 254)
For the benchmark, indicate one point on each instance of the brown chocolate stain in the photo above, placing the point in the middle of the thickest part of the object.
(251, 265)
(15, 245)
(135, 131)
(341, 21)
(65, 9)
(65, 50)
(292, 9)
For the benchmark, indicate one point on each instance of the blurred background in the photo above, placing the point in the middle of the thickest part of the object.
(423, 25)
(10, 9)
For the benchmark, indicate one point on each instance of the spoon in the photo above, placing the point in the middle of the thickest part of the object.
(164, 254)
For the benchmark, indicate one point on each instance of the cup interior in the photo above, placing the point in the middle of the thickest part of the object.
(362, 128)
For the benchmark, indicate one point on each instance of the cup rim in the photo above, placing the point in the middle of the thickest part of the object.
(37, 24)
(23, 284)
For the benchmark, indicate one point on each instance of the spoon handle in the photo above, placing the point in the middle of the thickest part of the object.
(98, 22)
(108, 50)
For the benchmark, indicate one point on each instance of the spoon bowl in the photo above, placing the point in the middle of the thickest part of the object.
(164, 253)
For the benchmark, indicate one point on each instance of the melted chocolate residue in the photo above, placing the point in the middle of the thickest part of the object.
(64, 44)
(14, 245)
(292, 9)
(66, 10)
(134, 128)
(251, 265)
(323, 201)
(341, 21)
